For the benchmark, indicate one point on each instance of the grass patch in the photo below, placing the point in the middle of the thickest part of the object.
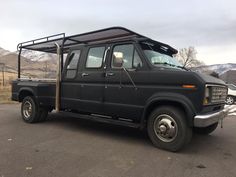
(5, 91)
(5, 94)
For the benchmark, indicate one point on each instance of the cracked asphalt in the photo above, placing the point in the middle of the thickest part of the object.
(64, 146)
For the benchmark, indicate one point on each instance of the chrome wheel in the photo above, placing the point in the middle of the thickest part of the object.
(229, 100)
(27, 109)
(165, 128)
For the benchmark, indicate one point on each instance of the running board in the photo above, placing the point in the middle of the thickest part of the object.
(101, 119)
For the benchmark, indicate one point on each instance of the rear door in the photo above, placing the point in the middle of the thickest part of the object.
(92, 79)
(70, 85)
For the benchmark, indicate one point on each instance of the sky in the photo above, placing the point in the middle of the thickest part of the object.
(207, 25)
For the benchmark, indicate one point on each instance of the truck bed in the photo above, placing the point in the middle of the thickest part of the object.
(42, 89)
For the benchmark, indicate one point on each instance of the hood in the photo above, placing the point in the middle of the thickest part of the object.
(210, 79)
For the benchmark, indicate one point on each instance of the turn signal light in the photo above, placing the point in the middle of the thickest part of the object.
(189, 86)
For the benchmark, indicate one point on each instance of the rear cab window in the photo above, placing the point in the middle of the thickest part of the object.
(73, 60)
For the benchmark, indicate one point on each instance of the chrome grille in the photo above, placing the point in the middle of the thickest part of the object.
(218, 94)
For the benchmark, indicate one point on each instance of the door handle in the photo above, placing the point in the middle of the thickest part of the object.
(84, 74)
(110, 74)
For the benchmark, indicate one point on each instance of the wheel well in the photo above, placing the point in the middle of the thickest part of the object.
(176, 104)
(234, 96)
(24, 93)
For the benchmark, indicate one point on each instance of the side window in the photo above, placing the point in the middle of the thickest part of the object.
(130, 56)
(95, 57)
(72, 64)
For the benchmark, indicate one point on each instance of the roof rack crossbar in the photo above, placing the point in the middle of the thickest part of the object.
(41, 40)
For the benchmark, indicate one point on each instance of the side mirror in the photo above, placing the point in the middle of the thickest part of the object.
(117, 60)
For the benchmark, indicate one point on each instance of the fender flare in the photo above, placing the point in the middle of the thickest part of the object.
(165, 97)
(25, 89)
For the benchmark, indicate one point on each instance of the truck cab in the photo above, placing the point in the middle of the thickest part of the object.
(117, 76)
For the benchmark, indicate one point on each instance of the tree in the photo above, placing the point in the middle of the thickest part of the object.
(188, 57)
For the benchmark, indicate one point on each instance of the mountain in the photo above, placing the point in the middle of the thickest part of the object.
(3, 52)
(218, 68)
(33, 64)
(39, 56)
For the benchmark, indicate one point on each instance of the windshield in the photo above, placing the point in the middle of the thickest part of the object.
(158, 55)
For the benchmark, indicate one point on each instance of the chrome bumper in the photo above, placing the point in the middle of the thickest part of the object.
(205, 120)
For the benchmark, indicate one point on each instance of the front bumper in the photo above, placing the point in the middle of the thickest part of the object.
(205, 120)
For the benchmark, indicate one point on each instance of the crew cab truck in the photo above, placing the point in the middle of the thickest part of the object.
(117, 76)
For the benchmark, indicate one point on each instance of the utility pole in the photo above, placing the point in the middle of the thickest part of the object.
(3, 70)
(46, 69)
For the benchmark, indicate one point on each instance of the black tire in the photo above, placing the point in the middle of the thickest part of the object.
(169, 115)
(31, 112)
(229, 100)
(43, 114)
(206, 130)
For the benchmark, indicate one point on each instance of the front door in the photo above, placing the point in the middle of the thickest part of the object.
(123, 98)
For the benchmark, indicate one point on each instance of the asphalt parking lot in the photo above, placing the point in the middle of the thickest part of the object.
(70, 147)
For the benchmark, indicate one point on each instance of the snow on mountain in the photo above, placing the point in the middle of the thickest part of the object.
(39, 56)
(218, 68)
(4, 52)
(31, 55)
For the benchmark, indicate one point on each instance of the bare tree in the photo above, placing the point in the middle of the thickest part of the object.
(188, 57)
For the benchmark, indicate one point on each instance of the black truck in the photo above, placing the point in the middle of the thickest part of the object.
(120, 77)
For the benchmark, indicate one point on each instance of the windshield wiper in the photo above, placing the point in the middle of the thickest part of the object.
(173, 65)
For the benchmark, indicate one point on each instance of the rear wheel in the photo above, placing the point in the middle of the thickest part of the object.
(168, 129)
(31, 112)
(206, 130)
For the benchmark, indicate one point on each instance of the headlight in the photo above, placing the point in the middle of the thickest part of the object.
(215, 94)
(207, 96)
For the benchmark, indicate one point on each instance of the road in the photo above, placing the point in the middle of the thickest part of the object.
(70, 147)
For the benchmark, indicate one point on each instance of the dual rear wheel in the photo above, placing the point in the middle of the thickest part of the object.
(31, 112)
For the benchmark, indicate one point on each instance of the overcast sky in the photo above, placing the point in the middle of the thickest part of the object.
(208, 25)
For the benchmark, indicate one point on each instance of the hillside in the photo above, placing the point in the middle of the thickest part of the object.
(218, 68)
(32, 65)
(39, 56)
(3, 52)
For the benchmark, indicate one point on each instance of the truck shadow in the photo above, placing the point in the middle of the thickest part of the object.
(202, 144)
(98, 129)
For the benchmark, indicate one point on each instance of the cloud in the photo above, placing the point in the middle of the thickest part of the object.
(183, 23)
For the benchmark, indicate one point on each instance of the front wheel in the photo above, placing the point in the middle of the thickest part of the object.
(168, 129)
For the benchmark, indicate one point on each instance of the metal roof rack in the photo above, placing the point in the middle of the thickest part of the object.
(47, 44)
(51, 44)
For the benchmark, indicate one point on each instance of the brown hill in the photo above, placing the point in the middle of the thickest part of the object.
(30, 68)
